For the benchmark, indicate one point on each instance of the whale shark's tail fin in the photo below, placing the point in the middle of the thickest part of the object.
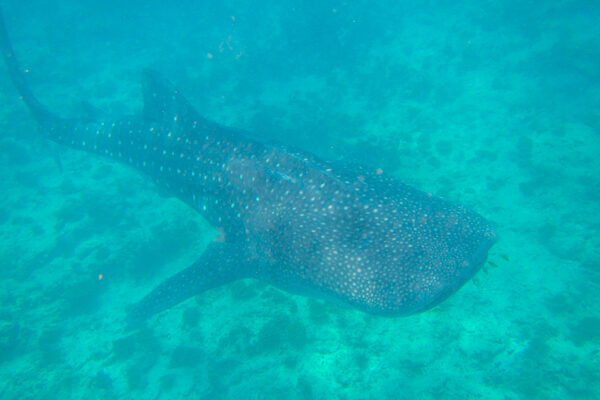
(41, 113)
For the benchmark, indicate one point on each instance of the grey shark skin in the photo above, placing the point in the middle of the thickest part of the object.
(322, 229)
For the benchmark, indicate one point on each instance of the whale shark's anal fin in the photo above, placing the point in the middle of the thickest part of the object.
(220, 263)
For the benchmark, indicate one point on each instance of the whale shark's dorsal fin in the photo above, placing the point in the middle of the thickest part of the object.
(163, 103)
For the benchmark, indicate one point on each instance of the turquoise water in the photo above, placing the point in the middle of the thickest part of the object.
(491, 104)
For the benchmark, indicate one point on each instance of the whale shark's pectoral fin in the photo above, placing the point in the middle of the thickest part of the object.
(220, 263)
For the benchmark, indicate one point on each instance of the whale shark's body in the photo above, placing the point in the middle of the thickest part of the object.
(323, 229)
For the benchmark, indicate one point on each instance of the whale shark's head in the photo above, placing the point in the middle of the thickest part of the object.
(406, 256)
(444, 268)
(428, 258)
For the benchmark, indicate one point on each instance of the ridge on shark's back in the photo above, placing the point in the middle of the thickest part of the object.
(327, 230)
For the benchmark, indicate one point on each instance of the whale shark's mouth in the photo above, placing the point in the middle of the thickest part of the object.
(480, 255)
(468, 270)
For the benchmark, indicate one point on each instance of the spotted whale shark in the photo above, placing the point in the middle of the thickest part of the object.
(326, 229)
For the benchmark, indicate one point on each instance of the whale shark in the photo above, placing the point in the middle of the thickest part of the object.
(342, 232)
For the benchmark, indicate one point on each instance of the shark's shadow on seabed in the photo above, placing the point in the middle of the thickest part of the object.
(322, 229)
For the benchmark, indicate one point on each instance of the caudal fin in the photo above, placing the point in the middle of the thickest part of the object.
(41, 113)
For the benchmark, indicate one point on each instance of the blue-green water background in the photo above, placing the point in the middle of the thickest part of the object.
(493, 104)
